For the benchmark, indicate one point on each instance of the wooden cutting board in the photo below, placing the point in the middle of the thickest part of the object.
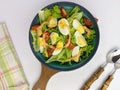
(46, 74)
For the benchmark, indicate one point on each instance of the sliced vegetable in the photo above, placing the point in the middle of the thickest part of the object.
(71, 46)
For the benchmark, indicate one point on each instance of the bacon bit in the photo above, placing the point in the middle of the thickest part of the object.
(50, 51)
(87, 22)
(87, 30)
(46, 36)
(63, 12)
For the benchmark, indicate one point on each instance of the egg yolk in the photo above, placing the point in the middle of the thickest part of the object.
(81, 41)
(40, 42)
(59, 45)
(52, 22)
(54, 37)
(62, 23)
(80, 29)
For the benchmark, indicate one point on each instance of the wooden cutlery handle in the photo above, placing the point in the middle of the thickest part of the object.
(45, 76)
(107, 82)
(94, 77)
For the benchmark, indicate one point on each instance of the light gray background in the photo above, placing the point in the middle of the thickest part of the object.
(18, 15)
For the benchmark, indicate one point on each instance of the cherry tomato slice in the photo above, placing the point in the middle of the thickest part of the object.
(87, 22)
(35, 27)
(71, 46)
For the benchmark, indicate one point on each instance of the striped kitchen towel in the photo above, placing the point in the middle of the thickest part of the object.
(11, 72)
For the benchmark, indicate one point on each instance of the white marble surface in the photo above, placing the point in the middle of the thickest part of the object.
(18, 15)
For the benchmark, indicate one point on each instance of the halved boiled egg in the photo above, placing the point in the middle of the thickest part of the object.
(75, 50)
(63, 26)
(53, 37)
(80, 40)
(58, 48)
(78, 26)
(76, 54)
(40, 39)
(52, 22)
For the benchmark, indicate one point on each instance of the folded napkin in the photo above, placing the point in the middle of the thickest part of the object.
(11, 72)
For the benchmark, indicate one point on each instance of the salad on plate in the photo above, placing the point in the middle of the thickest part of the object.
(63, 35)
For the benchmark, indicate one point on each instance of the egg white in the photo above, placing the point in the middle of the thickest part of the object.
(56, 51)
(78, 26)
(78, 37)
(41, 44)
(52, 22)
(54, 36)
(64, 30)
(58, 48)
(75, 50)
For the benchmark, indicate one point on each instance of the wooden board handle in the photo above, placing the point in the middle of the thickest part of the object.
(107, 82)
(94, 77)
(45, 76)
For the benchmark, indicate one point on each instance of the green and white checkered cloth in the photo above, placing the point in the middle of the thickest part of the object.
(11, 72)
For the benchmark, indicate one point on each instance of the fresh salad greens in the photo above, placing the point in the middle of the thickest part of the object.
(63, 36)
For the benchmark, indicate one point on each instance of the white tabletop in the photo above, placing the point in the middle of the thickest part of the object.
(18, 15)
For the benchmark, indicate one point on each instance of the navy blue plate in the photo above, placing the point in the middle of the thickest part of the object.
(56, 65)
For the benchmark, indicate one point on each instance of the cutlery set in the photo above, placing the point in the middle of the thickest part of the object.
(112, 57)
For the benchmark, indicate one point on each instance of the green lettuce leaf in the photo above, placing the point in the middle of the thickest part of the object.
(41, 16)
(56, 13)
(47, 13)
(35, 40)
(68, 53)
(61, 57)
(86, 51)
(56, 9)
